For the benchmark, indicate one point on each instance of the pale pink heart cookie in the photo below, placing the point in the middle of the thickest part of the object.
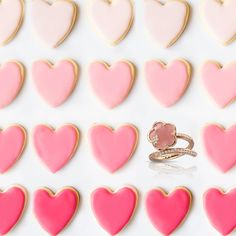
(166, 21)
(53, 20)
(112, 84)
(11, 16)
(114, 210)
(108, 20)
(55, 211)
(220, 145)
(221, 19)
(220, 82)
(12, 205)
(113, 148)
(168, 211)
(55, 147)
(168, 82)
(220, 208)
(55, 82)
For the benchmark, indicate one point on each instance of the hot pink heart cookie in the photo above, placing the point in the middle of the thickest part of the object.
(114, 210)
(166, 21)
(168, 83)
(56, 82)
(55, 211)
(53, 20)
(168, 211)
(106, 17)
(220, 145)
(12, 205)
(220, 82)
(55, 147)
(220, 208)
(113, 148)
(111, 84)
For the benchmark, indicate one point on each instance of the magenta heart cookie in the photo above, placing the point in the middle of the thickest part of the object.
(113, 148)
(220, 208)
(114, 210)
(168, 82)
(55, 147)
(111, 84)
(168, 211)
(55, 211)
(220, 145)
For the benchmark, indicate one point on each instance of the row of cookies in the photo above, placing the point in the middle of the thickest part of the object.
(165, 21)
(114, 209)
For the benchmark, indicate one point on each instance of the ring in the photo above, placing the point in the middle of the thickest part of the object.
(163, 137)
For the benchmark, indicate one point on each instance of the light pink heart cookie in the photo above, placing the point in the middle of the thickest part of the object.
(55, 211)
(106, 17)
(166, 21)
(220, 82)
(55, 147)
(112, 84)
(221, 19)
(114, 210)
(220, 208)
(220, 145)
(168, 211)
(56, 82)
(53, 20)
(113, 148)
(168, 82)
(12, 205)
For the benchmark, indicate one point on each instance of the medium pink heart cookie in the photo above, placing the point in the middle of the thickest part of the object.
(56, 82)
(220, 82)
(55, 147)
(53, 21)
(220, 145)
(166, 21)
(114, 210)
(12, 205)
(113, 148)
(168, 211)
(55, 211)
(112, 84)
(220, 208)
(168, 82)
(112, 25)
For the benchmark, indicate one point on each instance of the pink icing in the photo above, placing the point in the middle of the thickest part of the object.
(54, 212)
(167, 83)
(113, 210)
(167, 212)
(220, 146)
(55, 83)
(55, 148)
(12, 203)
(220, 82)
(220, 208)
(112, 149)
(111, 84)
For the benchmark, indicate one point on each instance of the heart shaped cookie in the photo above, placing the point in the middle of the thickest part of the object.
(55, 147)
(168, 82)
(114, 210)
(112, 84)
(55, 82)
(107, 18)
(113, 148)
(168, 211)
(55, 211)
(166, 21)
(53, 21)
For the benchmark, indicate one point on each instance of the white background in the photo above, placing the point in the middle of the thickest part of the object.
(190, 115)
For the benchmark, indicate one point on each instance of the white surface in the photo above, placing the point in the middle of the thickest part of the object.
(83, 109)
